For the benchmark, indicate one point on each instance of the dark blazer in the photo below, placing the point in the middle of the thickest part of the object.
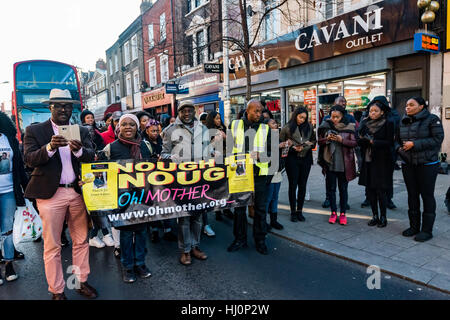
(47, 171)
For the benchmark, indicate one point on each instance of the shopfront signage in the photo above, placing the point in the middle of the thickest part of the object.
(155, 98)
(343, 30)
(199, 84)
(381, 23)
(426, 42)
(171, 88)
(213, 68)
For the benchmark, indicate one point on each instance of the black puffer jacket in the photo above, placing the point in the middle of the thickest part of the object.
(426, 131)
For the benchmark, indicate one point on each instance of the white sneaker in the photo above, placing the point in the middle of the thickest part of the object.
(208, 231)
(96, 242)
(108, 240)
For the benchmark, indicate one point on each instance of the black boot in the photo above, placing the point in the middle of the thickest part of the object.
(300, 216)
(294, 217)
(383, 221)
(414, 222)
(374, 220)
(273, 221)
(427, 227)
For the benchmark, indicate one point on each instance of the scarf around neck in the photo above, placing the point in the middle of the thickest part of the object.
(134, 145)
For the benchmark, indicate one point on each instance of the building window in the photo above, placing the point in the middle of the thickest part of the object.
(164, 68)
(136, 81)
(162, 27)
(118, 90)
(151, 39)
(111, 69)
(271, 21)
(134, 48)
(200, 40)
(128, 84)
(189, 7)
(152, 73)
(189, 50)
(113, 96)
(126, 53)
(116, 63)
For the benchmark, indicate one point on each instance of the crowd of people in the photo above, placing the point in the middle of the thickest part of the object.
(348, 148)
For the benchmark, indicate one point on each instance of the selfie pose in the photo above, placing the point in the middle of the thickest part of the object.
(56, 164)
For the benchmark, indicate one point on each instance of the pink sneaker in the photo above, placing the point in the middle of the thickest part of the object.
(343, 219)
(333, 218)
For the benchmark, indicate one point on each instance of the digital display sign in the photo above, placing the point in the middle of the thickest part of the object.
(426, 42)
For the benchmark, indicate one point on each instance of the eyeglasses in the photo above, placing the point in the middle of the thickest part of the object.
(66, 106)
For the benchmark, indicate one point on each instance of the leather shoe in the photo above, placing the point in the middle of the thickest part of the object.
(262, 248)
(294, 217)
(185, 259)
(236, 245)
(326, 204)
(198, 254)
(59, 296)
(87, 291)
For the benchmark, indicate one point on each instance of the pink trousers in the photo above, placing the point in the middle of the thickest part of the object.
(68, 205)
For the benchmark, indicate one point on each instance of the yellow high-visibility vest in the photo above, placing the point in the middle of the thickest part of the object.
(259, 142)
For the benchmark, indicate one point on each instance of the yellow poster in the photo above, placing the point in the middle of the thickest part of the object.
(100, 185)
(240, 174)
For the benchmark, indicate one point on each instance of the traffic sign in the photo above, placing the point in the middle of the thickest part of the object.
(171, 88)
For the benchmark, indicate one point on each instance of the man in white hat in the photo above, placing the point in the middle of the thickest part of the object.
(54, 185)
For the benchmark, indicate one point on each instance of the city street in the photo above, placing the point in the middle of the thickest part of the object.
(289, 272)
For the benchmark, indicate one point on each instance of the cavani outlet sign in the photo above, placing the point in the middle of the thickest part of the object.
(379, 24)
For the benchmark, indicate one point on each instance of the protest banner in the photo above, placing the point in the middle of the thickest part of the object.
(130, 192)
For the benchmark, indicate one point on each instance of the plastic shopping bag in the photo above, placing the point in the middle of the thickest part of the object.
(27, 224)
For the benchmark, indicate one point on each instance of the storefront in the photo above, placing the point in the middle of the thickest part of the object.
(370, 54)
(202, 89)
(158, 102)
(264, 77)
(319, 98)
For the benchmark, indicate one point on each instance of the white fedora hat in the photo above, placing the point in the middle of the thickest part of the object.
(60, 96)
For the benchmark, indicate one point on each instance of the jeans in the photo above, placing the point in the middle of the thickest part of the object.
(272, 197)
(205, 218)
(259, 220)
(189, 232)
(339, 179)
(7, 211)
(133, 254)
(297, 170)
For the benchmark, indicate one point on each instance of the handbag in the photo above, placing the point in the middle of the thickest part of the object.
(27, 224)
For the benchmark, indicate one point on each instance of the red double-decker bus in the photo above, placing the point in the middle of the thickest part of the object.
(33, 81)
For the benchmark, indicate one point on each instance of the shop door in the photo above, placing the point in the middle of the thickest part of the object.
(402, 97)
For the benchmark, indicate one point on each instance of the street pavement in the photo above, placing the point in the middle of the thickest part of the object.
(425, 263)
(290, 272)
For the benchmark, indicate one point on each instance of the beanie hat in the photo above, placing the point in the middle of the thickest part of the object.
(85, 113)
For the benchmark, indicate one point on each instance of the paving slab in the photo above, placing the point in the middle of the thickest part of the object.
(426, 263)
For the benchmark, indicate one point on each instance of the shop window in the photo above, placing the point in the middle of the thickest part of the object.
(328, 88)
(358, 92)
